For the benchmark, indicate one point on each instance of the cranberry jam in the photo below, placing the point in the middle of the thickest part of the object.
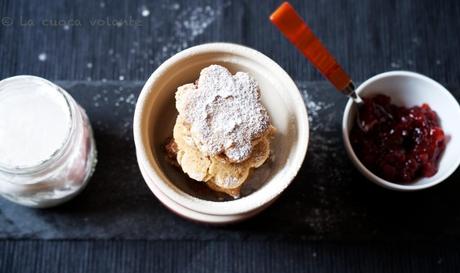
(396, 143)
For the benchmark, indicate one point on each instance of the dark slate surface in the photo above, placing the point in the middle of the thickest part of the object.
(328, 200)
(224, 256)
(368, 37)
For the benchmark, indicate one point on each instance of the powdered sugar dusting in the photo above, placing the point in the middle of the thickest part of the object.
(189, 24)
(315, 107)
(225, 113)
(228, 182)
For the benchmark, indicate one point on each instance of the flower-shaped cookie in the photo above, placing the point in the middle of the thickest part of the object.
(224, 113)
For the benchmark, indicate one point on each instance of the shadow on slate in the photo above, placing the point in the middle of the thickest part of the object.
(328, 200)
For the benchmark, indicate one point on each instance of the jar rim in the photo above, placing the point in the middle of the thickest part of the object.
(56, 155)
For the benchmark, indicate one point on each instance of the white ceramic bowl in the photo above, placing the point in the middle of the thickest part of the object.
(411, 89)
(155, 116)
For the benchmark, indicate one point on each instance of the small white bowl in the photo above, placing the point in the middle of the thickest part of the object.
(411, 89)
(155, 117)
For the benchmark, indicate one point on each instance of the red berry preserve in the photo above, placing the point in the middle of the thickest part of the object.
(396, 143)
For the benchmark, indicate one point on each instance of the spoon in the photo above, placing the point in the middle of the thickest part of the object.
(288, 21)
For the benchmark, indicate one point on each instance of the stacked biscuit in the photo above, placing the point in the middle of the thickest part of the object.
(222, 131)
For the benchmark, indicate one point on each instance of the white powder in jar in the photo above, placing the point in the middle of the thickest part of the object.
(35, 123)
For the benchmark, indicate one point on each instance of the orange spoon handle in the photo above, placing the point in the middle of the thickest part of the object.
(299, 34)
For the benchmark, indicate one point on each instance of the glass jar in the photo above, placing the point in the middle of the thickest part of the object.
(48, 152)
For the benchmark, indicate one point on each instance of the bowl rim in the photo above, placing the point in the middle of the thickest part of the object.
(192, 215)
(360, 166)
(245, 204)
